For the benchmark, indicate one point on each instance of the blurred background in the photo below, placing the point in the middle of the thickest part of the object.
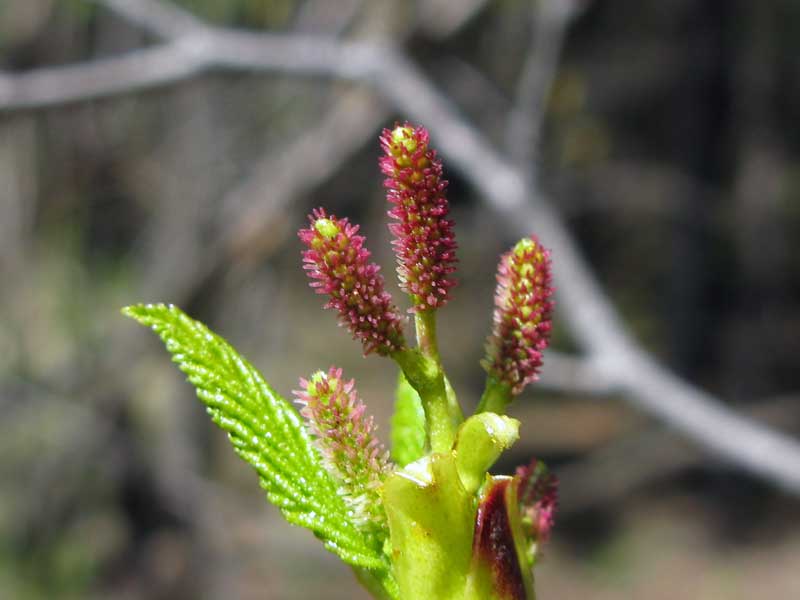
(664, 132)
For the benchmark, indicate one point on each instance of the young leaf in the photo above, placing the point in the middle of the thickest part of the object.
(265, 431)
(408, 424)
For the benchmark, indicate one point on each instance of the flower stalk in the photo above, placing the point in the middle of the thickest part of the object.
(424, 244)
(427, 378)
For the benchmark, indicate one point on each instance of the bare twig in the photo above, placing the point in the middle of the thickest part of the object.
(588, 313)
(648, 456)
(550, 21)
(141, 69)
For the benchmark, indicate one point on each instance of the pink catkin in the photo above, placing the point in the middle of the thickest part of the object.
(424, 241)
(345, 437)
(538, 499)
(522, 315)
(337, 262)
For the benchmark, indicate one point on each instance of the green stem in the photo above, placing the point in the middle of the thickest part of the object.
(426, 376)
(425, 322)
(496, 396)
(427, 342)
(453, 407)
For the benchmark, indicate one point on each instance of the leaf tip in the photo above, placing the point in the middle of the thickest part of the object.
(141, 312)
(131, 310)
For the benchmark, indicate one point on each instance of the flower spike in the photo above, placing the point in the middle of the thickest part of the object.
(436, 523)
(337, 262)
(522, 316)
(424, 241)
(346, 439)
(538, 501)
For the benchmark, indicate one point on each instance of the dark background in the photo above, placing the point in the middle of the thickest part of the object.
(670, 146)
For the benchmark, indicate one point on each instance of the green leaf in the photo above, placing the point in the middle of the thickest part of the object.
(408, 424)
(265, 431)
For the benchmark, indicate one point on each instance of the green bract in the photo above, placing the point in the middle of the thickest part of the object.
(431, 505)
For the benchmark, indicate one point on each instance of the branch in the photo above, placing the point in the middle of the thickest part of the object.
(550, 21)
(138, 70)
(649, 455)
(587, 311)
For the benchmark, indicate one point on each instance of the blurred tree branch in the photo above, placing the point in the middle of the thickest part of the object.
(523, 131)
(192, 48)
(649, 455)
